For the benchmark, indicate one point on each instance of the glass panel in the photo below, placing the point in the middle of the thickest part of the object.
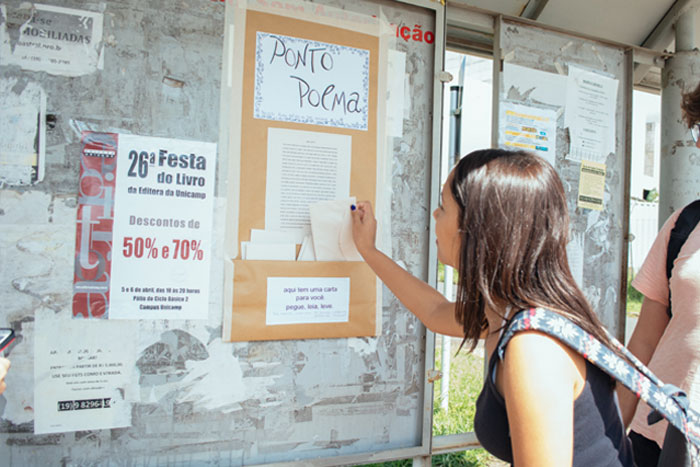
(466, 127)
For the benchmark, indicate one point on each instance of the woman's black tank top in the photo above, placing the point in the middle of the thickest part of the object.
(599, 436)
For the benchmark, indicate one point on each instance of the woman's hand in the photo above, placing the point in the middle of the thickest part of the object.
(4, 366)
(364, 228)
(429, 305)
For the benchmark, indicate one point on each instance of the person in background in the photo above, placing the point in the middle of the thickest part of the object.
(668, 343)
(503, 222)
(4, 367)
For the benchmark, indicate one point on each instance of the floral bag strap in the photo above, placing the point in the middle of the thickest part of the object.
(666, 400)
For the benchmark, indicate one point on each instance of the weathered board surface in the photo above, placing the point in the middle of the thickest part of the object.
(252, 402)
(598, 235)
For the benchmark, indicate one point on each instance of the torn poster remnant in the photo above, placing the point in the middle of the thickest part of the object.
(23, 139)
(59, 41)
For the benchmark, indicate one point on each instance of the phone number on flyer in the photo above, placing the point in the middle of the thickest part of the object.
(85, 404)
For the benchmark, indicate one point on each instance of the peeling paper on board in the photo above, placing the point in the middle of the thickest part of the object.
(23, 139)
(56, 40)
(215, 383)
(363, 346)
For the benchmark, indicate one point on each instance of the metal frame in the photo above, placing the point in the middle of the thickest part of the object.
(425, 448)
(228, 78)
(662, 35)
(473, 30)
(476, 31)
(628, 74)
(629, 86)
(438, 66)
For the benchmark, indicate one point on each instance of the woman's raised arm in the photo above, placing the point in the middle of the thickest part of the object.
(430, 306)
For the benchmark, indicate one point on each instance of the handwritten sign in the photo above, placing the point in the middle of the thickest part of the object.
(304, 81)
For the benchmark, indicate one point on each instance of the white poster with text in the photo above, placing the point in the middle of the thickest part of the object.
(591, 103)
(161, 255)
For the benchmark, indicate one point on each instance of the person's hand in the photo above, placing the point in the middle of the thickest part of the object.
(364, 227)
(4, 366)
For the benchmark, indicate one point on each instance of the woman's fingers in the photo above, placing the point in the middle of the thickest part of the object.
(4, 366)
(362, 210)
(363, 226)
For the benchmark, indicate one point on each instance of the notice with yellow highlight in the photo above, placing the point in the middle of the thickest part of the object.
(530, 128)
(591, 185)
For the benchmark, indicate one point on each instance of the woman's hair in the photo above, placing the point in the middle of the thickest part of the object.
(514, 227)
(690, 104)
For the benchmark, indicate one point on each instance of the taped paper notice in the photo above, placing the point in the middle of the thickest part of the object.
(591, 100)
(591, 186)
(530, 128)
(298, 300)
(396, 74)
(84, 379)
(59, 41)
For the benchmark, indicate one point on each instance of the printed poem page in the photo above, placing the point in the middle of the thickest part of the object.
(303, 168)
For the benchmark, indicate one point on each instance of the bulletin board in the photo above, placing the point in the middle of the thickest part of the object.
(165, 70)
(245, 320)
(541, 78)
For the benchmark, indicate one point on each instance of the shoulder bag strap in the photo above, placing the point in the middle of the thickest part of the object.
(686, 222)
(667, 400)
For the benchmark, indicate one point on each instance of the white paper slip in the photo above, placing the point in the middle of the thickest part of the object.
(271, 251)
(306, 253)
(276, 236)
(345, 240)
(244, 250)
(331, 227)
(305, 300)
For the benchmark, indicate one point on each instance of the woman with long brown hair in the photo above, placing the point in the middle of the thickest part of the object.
(503, 223)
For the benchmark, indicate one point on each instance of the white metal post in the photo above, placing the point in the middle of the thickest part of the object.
(680, 160)
(446, 352)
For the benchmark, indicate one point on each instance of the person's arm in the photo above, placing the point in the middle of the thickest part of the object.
(651, 325)
(4, 366)
(539, 382)
(430, 306)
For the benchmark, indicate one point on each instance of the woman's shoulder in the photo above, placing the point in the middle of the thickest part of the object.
(531, 344)
(533, 354)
